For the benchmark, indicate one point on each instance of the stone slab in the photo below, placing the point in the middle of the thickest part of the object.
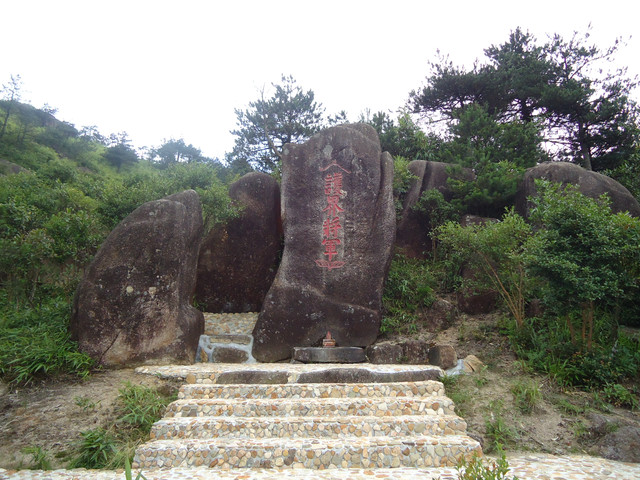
(526, 466)
(295, 407)
(320, 453)
(308, 427)
(313, 390)
(329, 355)
(209, 373)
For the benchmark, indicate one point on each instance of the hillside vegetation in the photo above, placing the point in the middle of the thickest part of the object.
(574, 257)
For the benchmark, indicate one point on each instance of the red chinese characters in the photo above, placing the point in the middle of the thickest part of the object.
(331, 226)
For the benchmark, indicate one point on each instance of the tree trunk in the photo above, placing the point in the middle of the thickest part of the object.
(584, 147)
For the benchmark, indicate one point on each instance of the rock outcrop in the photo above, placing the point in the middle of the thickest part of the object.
(238, 260)
(339, 227)
(132, 307)
(591, 184)
(414, 227)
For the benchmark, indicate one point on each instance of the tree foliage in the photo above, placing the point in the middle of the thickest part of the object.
(289, 115)
(584, 113)
(176, 151)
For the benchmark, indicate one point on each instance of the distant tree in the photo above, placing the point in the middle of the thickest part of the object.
(176, 151)
(584, 112)
(11, 93)
(91, 133)
(403, 138)
(290, 115)
(120, 152)
(596, 121)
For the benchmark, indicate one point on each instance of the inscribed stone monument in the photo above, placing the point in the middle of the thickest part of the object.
(339, 228)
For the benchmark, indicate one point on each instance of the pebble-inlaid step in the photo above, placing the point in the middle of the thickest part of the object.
(318, 453)
(279, 373)
(316, 390)
(229, 323)
(289, 407)
(320, 427)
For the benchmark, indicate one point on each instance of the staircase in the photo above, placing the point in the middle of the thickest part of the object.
(289, 425)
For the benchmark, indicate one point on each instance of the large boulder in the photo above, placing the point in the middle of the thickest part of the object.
(339, 227)
(10, 168)
(132, 307)
(238, 260)
(590, 183)
(414, 227)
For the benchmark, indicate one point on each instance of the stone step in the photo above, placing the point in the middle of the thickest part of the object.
(229, 323)
(225, 349)
(313, 390)
(318, 453)
(294, 407)
(276, 373)
(317, 427)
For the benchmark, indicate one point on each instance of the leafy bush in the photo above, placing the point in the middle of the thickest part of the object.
(620, 396)
(587, 257)
(409, 287)
(495, 251)
(475, 469)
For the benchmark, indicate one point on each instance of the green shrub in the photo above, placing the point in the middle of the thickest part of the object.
(409, 287)
(620, 396)
(587, 257)
(475, 469)
(495, 251)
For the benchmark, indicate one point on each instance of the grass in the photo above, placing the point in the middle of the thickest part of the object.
(35, 343)
(113, 446)
(526, 395)
(39, 458)
(498, 431)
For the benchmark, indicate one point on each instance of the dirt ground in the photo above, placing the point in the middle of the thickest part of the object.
(51, 415)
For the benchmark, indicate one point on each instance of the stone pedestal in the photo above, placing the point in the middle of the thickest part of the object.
(329, 355)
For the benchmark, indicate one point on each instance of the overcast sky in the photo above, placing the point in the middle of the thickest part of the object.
(177, 69)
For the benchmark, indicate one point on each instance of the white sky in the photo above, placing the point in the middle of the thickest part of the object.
(177, 69)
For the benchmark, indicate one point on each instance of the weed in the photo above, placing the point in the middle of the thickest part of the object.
(476, 470)
(128, 475)
(95, 449)
(619, 396)
(567, 407)
(600, 403)
(497, 429)
(141, 406)
(457, 393)
(526, 395)
(39, 458)
(481, 379)
(85, 403)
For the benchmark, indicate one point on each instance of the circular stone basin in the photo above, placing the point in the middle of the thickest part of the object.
(329, 354)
